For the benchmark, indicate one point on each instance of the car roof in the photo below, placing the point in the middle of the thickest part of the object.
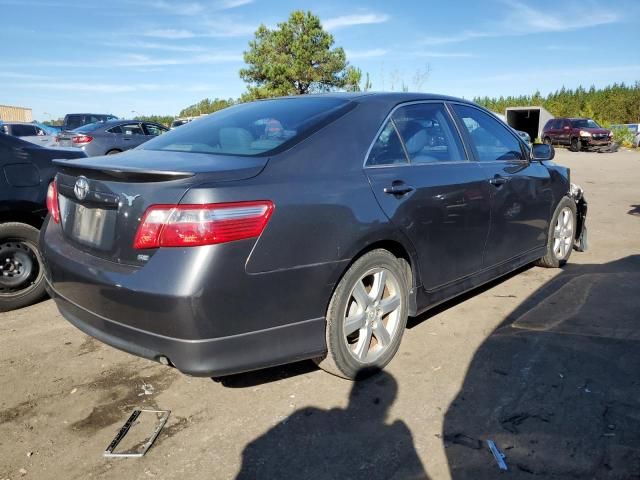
(392, 98)
(103, 114)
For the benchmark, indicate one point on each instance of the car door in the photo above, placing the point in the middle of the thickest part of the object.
(521, 194)
(426, 185)
(132, 135)
(564, 132)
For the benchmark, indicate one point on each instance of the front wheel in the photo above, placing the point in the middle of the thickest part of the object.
(576, 144)
(561, 235)
(367, 316)
(21, 272)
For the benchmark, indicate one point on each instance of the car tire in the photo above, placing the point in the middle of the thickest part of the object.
(114, 152)
(575, 145)
(561, 235)
(367, 316)
(547, 140)
(21, 266)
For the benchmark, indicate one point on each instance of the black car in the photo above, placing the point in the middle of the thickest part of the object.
(26, 170)
(296, 228)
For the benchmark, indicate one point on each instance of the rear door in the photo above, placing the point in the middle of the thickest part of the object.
(426, 185)
(521, 195)
(132, 135)
(564, 135)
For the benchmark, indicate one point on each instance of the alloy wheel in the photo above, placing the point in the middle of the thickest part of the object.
(563, 234)
(372, 316)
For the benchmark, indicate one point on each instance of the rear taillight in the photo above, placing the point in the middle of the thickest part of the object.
(81, 139)
(194, 225)
(52, 202)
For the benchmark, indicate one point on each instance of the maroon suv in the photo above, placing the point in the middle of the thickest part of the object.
(578, 133)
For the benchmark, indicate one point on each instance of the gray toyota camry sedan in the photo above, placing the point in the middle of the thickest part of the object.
(300, 228)
(111, 136)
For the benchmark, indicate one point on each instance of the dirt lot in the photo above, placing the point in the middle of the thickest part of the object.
(544, 362)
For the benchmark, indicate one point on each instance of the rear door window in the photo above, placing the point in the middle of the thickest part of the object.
(490, 138)
(428, 133)
(23, 130)
(154, 130)
(253, 128)
(387, 149)
(132, 129)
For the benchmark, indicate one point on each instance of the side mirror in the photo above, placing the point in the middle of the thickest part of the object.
(542, 152)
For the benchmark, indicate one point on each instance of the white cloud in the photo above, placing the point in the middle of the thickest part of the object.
(167, 47)
(225, 26)
(97, 88)
(195, 8)
(428, 54)
(522, 19)
(228, 4)
(219, 28)
(572, 73)
(356, 19)
(178, 8)
(21, 76)
(169, 33)
(357, 54)
(136, 60)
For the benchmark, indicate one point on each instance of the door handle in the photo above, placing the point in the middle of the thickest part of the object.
(498, 181)
(398, 189)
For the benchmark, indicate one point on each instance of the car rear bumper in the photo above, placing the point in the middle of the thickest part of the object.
(197, 307)
(203, 357)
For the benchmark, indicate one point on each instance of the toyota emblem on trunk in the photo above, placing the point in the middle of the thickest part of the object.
(81, 188)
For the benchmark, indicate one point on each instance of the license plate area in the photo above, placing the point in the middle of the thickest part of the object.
(90, 226)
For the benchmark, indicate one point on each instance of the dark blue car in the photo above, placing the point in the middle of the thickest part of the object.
(26, 170)
(295, 228)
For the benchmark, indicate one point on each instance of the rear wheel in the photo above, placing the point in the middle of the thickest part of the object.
(21, 272)
(547, 140)
(576, 144)
(561, 235)
(366, 317)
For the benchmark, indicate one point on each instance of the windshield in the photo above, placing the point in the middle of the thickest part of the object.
(584, 123)
(251, 128)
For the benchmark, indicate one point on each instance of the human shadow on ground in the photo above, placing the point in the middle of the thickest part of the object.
(351, 443)
(634, 210)
(557, 384)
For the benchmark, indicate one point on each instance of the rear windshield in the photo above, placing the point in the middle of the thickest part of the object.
(584, 123)
(89, 127)
(251, 128)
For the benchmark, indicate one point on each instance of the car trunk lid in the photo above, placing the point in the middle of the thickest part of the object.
(103, 199)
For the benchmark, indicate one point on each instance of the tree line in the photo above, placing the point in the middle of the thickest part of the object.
(614, 104)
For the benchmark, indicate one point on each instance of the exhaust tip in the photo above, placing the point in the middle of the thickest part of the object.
(164, 360)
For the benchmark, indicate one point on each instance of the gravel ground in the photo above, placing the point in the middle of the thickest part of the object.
(543, 362)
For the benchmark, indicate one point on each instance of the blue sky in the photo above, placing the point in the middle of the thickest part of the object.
(159, 56)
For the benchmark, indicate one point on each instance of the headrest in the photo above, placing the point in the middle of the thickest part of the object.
(234, 138)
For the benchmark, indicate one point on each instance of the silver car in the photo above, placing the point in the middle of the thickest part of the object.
(110, 137)
(28, 132)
